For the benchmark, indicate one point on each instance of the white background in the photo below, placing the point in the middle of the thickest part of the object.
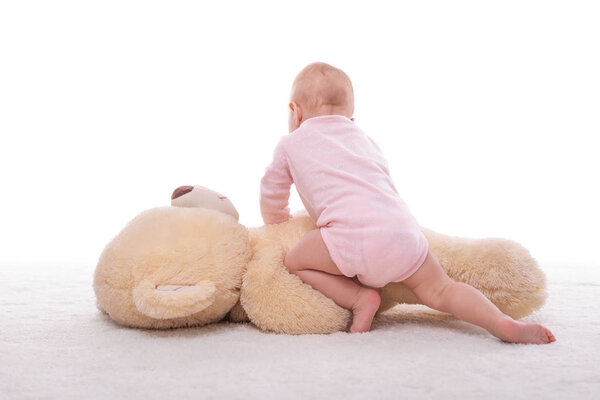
(488, 112)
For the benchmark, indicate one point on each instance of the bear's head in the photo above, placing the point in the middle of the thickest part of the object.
(175, 266)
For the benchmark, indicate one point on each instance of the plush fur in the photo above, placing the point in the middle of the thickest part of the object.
(172, 267)
(201, 252)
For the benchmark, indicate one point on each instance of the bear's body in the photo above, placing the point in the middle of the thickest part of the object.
(189, 266)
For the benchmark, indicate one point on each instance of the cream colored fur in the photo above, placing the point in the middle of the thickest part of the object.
(202, 251)
(172, 267)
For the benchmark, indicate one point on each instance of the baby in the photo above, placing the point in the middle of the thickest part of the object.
(365, 229)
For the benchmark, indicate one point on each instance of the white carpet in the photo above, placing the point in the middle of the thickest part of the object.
(54, 344)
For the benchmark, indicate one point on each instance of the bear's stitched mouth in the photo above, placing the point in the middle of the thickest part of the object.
(171, 288)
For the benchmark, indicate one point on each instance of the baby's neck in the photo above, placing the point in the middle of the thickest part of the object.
(326, 111)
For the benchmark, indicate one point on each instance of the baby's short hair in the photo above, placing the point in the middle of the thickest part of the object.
(322, 85)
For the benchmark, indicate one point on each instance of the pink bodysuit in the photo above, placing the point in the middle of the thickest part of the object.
(344, 183)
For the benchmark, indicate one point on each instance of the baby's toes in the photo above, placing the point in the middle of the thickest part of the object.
(545, 335)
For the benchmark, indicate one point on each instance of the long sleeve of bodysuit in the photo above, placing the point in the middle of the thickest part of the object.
(275, 189)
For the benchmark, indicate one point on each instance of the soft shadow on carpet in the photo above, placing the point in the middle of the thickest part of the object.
(54, 344)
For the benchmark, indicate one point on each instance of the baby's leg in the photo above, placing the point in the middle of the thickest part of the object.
(436, 290)
(310, 260)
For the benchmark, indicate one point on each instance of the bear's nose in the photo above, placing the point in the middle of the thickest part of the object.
(180, 191)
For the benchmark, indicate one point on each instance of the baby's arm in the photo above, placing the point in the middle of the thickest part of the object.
(275, 189)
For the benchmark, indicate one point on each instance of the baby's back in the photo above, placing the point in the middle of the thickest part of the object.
(340, 173)
(344, 183)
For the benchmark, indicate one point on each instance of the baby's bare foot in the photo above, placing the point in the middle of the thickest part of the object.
(364, 310)
(513, 331)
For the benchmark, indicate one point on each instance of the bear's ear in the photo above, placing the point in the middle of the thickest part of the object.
(172, 301)
(201, 197)
(180, 191)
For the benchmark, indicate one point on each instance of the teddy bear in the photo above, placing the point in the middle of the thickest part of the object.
(193, 263)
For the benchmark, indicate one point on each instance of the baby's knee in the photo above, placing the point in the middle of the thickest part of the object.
(290, 261)
(433, 295)
(445, 294)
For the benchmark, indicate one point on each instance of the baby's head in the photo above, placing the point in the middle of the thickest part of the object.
(320, 89)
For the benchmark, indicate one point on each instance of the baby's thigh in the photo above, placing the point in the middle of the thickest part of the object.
(311, 253)
(429, 278)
